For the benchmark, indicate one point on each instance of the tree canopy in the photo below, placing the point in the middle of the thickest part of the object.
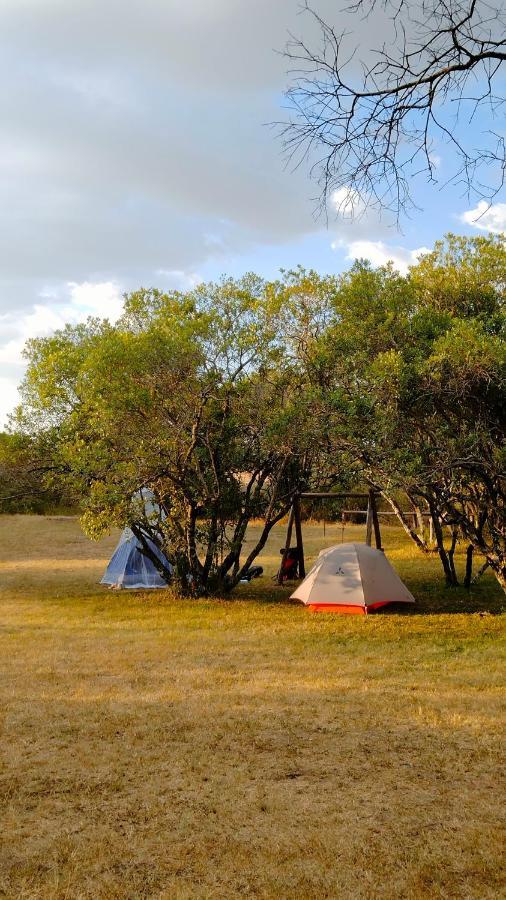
(412, 373)
(188, 395)
(227, 401)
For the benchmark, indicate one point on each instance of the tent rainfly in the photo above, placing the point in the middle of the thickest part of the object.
(351, 578)
(130, 568)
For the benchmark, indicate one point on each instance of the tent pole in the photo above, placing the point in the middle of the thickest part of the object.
(298, 535)
(287, 543)
(375, 520)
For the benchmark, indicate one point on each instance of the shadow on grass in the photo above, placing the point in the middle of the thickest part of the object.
(432, 597)
(51, 561)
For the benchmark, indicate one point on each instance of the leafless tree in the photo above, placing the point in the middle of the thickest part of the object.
(367, 125)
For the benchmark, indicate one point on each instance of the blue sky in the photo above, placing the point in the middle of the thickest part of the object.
(135, 151)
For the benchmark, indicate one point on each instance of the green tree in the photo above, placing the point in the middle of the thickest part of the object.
(416, 389)
(190, 396)
(26, 485)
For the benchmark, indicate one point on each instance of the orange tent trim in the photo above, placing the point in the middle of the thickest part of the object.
(345, 608)
(338, 608)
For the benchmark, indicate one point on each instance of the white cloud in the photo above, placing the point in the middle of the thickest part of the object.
(358, 231)
(124, 150)
(88, 299)
(379, 253)
(347, 203)
(9, 397)
(72, 303)
(486, 217)
(40, 322)
(180, 280)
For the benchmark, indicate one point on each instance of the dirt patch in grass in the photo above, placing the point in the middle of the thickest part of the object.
(158, 748)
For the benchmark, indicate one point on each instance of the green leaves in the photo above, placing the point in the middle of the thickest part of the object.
(416, 383)
(190, 396)
(226, 400)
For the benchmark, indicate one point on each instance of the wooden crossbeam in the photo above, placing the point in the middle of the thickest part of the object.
(315, 496)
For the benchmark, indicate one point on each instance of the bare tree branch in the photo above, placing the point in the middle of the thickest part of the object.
(367, 134)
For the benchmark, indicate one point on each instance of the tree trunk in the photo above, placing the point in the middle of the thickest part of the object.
(499, 569)
(448, 568)
(405, 523)
(481, 572)
(420, 521)
(148, 553)
(451, 556)
(469, 567)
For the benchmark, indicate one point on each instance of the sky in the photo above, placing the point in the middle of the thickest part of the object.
(137, 150)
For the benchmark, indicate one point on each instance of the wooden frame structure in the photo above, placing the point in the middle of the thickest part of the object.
(294, 521)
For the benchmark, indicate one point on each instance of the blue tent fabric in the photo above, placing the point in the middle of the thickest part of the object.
(130, 568)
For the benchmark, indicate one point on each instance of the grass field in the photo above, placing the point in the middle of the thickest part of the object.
(248, 748)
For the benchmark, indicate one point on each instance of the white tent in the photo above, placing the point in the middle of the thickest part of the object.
(128, 566)
(351, 578)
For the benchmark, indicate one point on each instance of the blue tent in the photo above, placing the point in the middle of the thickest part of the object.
(130, 568)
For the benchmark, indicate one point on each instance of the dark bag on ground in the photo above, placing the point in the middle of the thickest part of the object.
(252, 572)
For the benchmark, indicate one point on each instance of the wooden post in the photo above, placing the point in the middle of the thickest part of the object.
(287, 543)
(368, 522)
(375, 520)
(298, 535)
(468, 580)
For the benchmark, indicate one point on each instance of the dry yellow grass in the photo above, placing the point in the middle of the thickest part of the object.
(166, 749)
